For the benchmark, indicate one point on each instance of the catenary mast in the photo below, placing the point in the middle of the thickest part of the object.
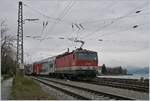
(20, 55)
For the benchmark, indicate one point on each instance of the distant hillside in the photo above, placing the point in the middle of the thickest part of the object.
(134, 70)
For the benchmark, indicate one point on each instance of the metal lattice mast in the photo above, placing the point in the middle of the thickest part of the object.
(20, 54)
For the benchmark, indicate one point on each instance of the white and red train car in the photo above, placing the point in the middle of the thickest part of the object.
(78, 64)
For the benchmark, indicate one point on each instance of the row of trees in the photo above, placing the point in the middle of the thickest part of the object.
(8, 64)
(103, 70)
(118, 70)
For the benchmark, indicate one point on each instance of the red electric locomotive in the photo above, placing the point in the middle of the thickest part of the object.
(78, 64)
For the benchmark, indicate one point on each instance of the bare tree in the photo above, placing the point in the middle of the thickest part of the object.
(7, 51)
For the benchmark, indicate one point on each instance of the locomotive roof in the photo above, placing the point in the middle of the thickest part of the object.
(74, 51)
(83, 50)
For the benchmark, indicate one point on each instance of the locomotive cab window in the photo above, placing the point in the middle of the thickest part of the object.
(87, 56)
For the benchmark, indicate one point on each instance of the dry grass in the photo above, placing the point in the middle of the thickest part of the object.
(25, 88)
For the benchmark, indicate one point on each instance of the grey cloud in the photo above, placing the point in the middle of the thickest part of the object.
(84, 11)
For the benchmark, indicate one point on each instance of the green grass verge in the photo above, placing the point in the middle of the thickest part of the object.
(25, 88)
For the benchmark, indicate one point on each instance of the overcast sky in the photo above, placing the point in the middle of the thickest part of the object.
(112, 21)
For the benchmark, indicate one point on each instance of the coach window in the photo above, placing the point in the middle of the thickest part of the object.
(51, 65)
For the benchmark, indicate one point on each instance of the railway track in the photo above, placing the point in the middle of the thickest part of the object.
(80, 92)
(125, 85)
(91, 91)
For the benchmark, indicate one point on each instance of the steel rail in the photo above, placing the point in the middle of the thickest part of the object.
(61, 89)
(90, 90)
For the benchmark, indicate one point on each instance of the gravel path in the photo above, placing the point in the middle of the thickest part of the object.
(6, 89)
